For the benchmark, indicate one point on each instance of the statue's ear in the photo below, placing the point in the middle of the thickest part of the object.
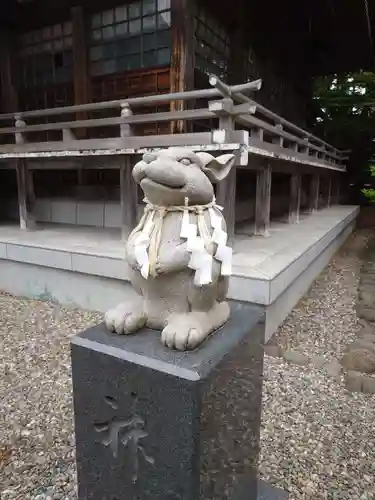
(217, 168)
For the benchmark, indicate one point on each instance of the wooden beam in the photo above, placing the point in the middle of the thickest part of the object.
(182, 59)
(226, 197)
(9, 96)
(26, 196)
(238, 46)
(338, 190)
(263, 202)
(128, 187)
(336, 195)
(31, 198)
(329, 191)
(128, 198)
(81, 79)
(295, 198)
(226, 189)
(314, 193)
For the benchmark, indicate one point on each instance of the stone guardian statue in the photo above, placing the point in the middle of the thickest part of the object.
(178, 255)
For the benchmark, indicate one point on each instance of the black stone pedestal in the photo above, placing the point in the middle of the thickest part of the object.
(156, 424)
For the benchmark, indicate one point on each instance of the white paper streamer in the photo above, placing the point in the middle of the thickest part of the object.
(214, 218)
(219, 237)
(203, 274)
(225, 254)
(185, 222)
(192, 236)
(141, 255)
(142, 244)
(149, 225)
(200, 260)
(198, 249)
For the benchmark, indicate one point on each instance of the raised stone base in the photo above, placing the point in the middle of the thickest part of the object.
(155, 424)
(85, 267)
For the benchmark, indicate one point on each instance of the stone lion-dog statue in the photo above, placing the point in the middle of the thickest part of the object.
(178, 255)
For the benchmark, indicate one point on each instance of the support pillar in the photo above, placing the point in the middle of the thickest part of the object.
(226, 197)
(81, 80)
(329, 191)
(336, 190)
(9, 94)
(26, 195)
(128, 188)
(314, 194)
(295, 198)
(238, 45)
(128, 197)
(263, 202)
(182, 60)
(226, 189)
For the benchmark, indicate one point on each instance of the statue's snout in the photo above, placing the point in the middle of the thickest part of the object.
(161, 170)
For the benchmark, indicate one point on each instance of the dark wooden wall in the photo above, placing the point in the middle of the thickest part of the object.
(205, 37)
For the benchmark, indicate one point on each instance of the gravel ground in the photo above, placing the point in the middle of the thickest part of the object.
(36, 438)
(317, 438)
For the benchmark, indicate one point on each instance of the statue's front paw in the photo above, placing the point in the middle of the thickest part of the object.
(184, 333)
(125, 319)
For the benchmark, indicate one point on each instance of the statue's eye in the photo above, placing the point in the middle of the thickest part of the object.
(185, 161)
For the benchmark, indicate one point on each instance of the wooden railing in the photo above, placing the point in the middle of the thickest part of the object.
(239, 123)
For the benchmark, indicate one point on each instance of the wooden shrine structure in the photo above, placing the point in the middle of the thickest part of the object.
(88, 86)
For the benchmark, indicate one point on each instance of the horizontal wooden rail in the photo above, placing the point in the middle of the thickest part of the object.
(280, 137)
(192, 114)
(133, 102)
(226, 90)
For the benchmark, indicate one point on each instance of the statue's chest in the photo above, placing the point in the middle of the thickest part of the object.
(198, 233)
(171, 230)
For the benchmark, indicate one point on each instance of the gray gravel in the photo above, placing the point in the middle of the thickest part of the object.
(36, 438)
(317, 438)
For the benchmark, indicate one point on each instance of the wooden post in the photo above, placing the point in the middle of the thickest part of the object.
(226, 189)
(305, 148)
(128, 193)
(295, 198)
(25, 184)
(182, 60)
(31, 198)
(337, 190)
(81, 77)
(26, 197)
(263, 202)
(22, 193)
(238, 45)
(329, 192)
(128, 188)
(278, 139)
(226, 197)
(314, 193)
(9, 94)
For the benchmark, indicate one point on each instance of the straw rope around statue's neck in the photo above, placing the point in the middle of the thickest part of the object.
(151, 210)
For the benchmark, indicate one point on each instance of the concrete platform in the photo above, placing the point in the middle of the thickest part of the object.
(85, 266)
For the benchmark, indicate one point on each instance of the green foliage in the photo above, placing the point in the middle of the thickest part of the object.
(369, 193)
(344, 115)
(344, 107)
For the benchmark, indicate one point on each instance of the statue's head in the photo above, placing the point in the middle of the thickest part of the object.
(169, 176)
